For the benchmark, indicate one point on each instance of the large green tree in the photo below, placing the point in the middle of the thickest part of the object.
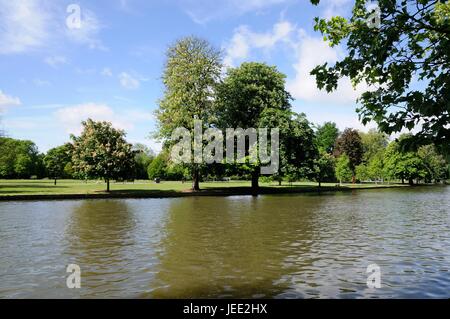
(373, 142)
(434, 163)
(326, 135)
(344, 172)
(158, 167)
(18, 158)
(297, 150)
(101, 151)
(324, 168)
(405, 61)
(191, 74)
(375, 166)
(252, 96)
(403, 165)
(350, 143)
(56, 161)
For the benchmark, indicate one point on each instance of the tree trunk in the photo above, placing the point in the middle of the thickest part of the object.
(196, 179)
(54, 182)
(320, 183)
(255, 180)
(403, 180)
(279, 181)
(107, 185)
(411, 181)
(353, 179)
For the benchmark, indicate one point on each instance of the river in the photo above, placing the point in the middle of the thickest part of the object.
(273, 246)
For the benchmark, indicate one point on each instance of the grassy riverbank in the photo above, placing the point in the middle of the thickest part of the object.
(44, 189)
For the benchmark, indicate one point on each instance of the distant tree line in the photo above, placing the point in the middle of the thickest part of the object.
(334, 156)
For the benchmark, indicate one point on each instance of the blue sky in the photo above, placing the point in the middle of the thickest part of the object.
(53, 76)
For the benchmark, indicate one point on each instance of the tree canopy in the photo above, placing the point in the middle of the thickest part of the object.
(405, 63)
(326, 135)
(253, 95)
(18, 158)
(101, 151)
(56, 161)
(373, 142)
(344, 173)
(350, 144)
(191, 74)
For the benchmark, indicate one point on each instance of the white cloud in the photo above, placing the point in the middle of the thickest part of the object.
(244, 40)
(72, 116)
(342, 120)
(87, 34)
(24, 25)
(154, 145)
(55, 60)
(28, 25)
(306, 51)
(203, 11)
(129, 82)
(310, 52)
(7, 101)
(107, 72)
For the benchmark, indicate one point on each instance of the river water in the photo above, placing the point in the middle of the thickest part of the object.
(280, 246)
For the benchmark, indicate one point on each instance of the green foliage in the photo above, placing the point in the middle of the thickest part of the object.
(362, 172)
(326, 136)
(412, 44)
(403, 165)
(434, 163)
(143, 157)
(349, 143)
(375, 166)
(247, 92)
(373, 143)
(344, 172)
(297, 148)
(253, 95)
(101, 151)
(158, 167)
(56, 160)
(18, 159)
(68, 171)
(177, 172)
(191, 75)
(324, 168)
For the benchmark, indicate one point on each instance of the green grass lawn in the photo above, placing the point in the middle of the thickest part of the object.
(46, 187)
